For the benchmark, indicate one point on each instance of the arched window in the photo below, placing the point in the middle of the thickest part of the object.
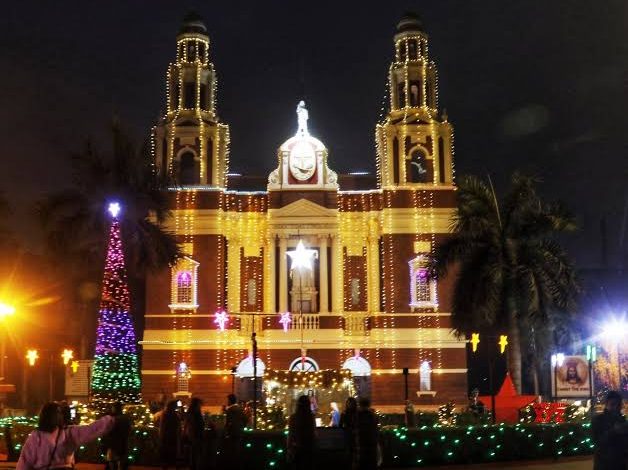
(183, 284)
(245, 368)
(425, 377)
(305, 364)
(201, 51)
(418, 167)
(189, 173)
(184, 287)
(358, 366)
(422, 286)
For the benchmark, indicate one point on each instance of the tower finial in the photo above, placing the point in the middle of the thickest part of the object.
(302, 117)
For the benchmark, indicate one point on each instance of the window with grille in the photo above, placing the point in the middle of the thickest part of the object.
(184, 287)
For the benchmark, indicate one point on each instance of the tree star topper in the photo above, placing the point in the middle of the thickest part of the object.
(301, 256)
(221, 319)
(285, 320)
(114, 209)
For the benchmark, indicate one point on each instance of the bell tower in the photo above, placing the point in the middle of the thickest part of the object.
(414, 142)
(191, 144)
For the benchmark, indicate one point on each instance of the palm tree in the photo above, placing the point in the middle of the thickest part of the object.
(75, 222)
(509, 266)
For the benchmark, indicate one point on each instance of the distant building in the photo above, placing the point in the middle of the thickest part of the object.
(348, 265)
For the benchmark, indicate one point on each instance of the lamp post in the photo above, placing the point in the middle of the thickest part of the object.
(557, 361)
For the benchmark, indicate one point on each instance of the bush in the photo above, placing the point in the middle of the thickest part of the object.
(427, 445)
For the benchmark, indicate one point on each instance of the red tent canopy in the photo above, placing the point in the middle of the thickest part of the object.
(507, 402)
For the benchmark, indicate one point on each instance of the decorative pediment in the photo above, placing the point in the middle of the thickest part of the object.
(303, 208)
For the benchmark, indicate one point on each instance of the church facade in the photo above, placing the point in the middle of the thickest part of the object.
(324, 278)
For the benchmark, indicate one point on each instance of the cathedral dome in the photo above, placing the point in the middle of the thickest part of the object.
(193, 23)
(410, 22)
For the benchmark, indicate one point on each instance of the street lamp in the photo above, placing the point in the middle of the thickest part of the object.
(615, 331)
(557, 361)
(502, 344)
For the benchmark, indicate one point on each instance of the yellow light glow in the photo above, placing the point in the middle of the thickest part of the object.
(475, 340)
(503, 342)
(6, 310)
(67, 355)
(32, 355)
(74, 366)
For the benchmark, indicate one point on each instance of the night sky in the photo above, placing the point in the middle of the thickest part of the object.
(534, 85)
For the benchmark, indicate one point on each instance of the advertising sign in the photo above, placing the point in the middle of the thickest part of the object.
(571, 378)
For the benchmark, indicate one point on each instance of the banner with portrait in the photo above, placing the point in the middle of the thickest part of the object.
(571, 379)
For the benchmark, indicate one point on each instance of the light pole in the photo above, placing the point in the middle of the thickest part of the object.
(502, 343)
(557, 361)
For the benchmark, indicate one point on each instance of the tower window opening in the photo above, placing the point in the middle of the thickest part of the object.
(203, 96)
(181, 51)
(441, 160)
(415, 93)
(191, 51)
(402, 51)
(201, 51)
(417, 169)
(175, 95)
(401, 95)
(188, 169)
(412, 49)
(429, 93)
(188, 95)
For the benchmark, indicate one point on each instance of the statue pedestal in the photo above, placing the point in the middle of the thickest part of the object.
(307, 297)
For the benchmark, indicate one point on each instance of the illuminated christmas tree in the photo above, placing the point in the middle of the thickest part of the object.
(116, 369)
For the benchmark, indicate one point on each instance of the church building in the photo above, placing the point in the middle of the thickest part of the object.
(323, 278)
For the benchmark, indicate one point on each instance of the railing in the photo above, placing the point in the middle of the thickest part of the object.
(306, 321)
(355, 323)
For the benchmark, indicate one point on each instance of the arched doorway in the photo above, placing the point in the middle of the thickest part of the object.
(361, 372)
(244, 378)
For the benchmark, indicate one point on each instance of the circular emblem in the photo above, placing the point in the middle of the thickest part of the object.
(302, 161)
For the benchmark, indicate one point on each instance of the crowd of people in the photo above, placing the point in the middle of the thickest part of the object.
(188, 439)
(360, 431)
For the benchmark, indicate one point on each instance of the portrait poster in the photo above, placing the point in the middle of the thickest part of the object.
(571, 379)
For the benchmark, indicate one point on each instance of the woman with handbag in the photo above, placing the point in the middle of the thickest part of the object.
(52, 445)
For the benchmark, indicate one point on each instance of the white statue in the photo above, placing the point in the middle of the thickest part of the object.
(302, 117)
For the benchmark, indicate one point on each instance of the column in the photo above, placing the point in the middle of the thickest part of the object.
(323, 281)
(337, 281)
(283, 274)
(373, 275)
(233, 275)
(269, 276)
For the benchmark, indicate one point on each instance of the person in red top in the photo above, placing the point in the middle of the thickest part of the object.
(52, 445)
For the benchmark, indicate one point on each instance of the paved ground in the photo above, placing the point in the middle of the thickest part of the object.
(576, 463)
(563, 464)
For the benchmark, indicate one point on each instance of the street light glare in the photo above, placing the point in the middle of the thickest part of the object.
(6, 310)
(615, 330)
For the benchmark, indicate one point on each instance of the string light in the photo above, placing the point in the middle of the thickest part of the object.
(116, 368)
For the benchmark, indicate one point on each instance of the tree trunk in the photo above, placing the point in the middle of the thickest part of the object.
(514, 349)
